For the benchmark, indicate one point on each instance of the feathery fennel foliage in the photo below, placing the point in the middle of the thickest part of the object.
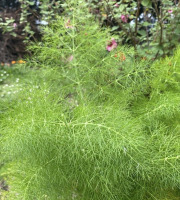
(94, 127)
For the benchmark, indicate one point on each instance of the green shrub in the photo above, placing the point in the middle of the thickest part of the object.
(149, 25)
(93, 126)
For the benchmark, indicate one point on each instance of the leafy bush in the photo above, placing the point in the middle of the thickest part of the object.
(149, 25)
(90, 125)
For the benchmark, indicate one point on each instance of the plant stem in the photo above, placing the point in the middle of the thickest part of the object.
(136, 26)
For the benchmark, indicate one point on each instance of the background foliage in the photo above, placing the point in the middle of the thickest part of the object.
(20, 22)
(149, 25)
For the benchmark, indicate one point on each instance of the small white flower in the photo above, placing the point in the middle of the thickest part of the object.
(125, 150)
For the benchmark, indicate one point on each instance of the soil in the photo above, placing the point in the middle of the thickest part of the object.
(3, 187)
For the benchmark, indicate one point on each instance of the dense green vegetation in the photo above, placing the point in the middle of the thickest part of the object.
(79, 122)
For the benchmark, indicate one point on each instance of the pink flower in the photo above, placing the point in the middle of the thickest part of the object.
(67, 24)
(116, 5)
(70, 58)
(124, 18)
(14, 25)
(170, 11)
(112, 45)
